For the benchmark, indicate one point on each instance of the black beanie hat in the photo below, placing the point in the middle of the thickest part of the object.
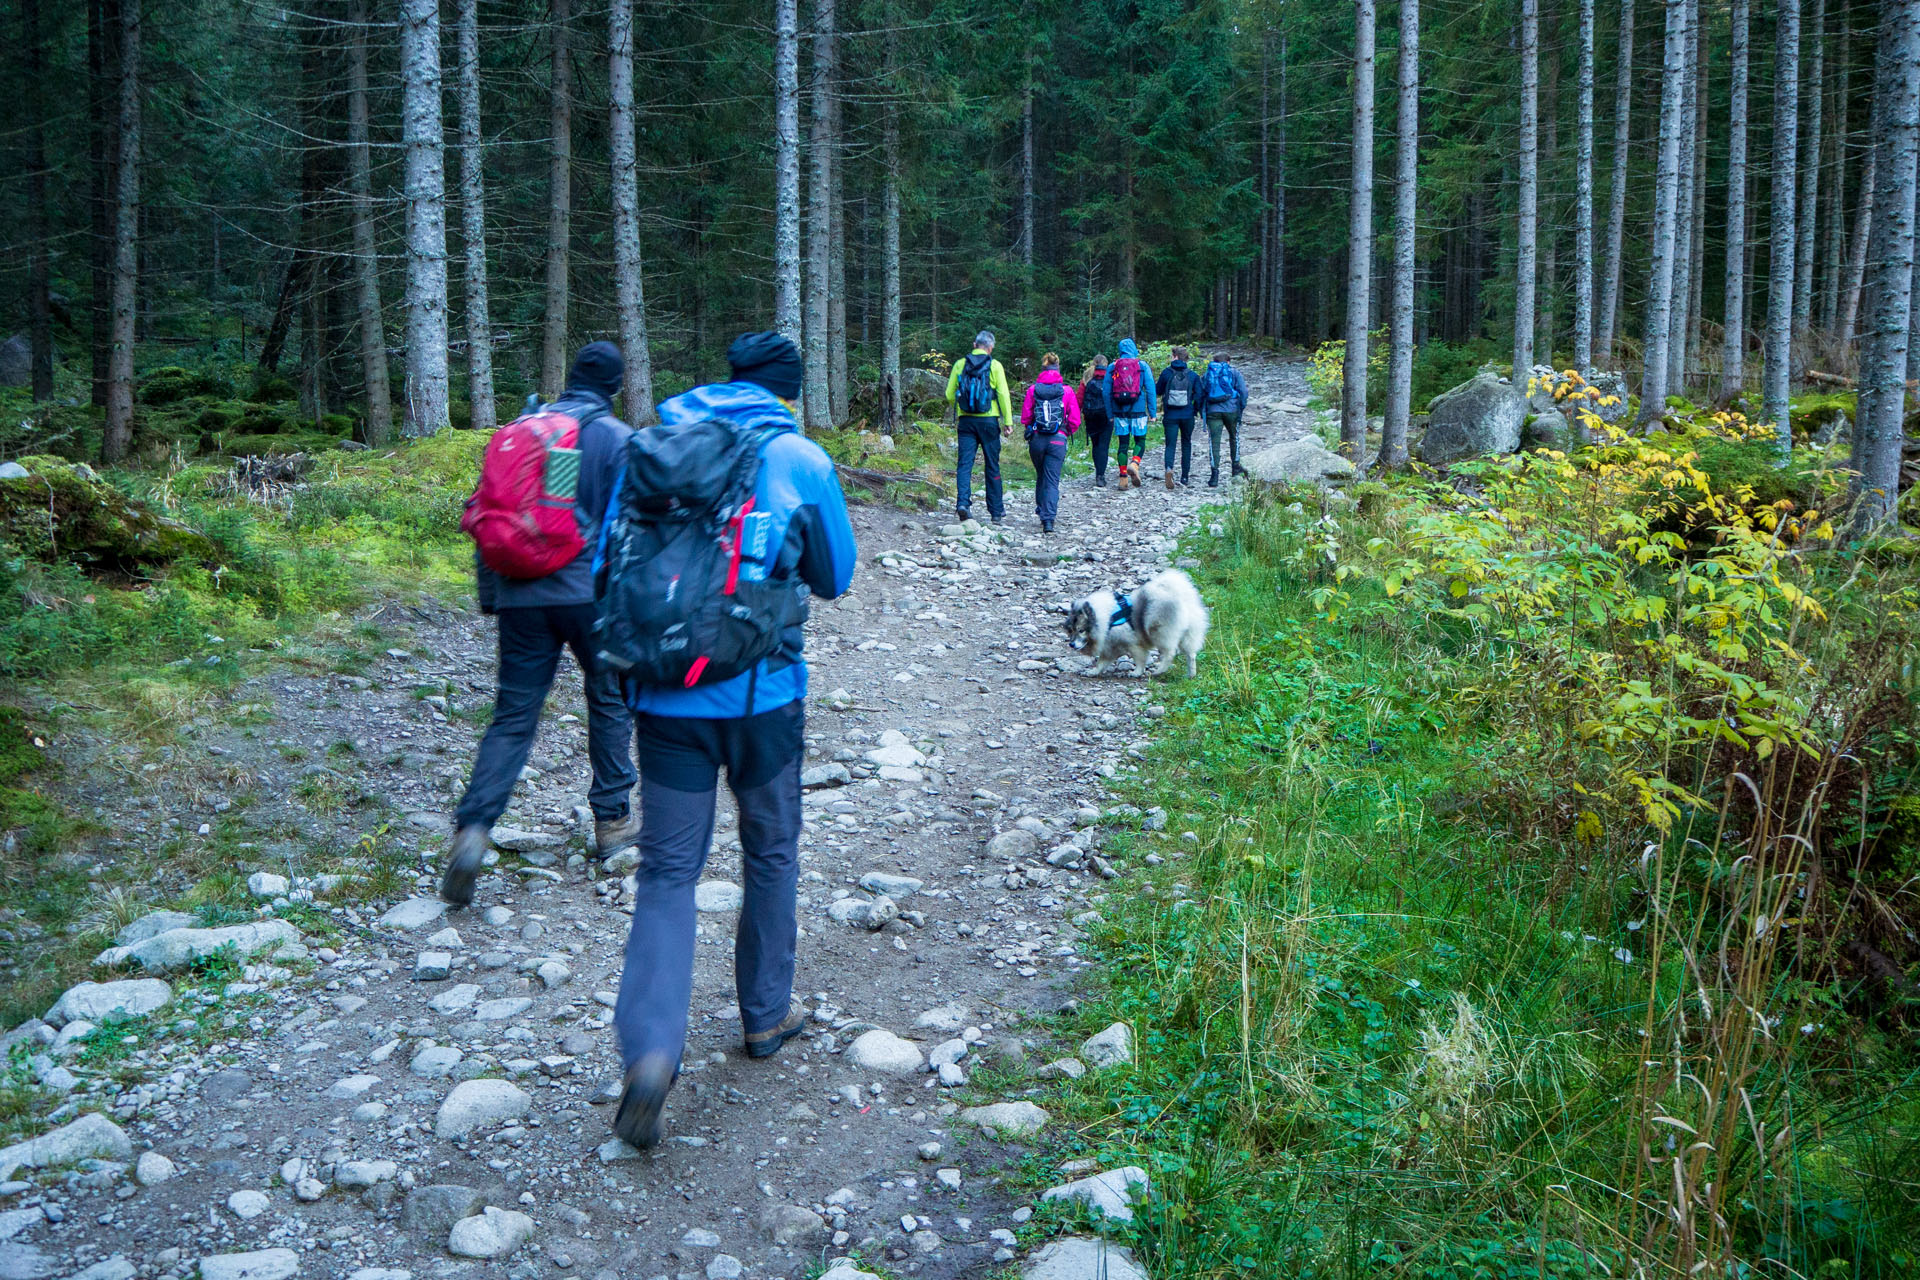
(598, 367)
(769, 360)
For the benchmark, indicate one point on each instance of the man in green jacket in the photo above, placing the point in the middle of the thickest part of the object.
(983, 413)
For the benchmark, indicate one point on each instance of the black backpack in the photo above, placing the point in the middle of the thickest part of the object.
(1049, 409)
(1177, 388)
(973, 392)
(674, 608)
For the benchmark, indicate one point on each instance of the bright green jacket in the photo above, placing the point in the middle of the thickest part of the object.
(997, 376)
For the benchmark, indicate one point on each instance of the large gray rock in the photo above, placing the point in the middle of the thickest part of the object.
(24, 1262)
(1111, 1194)
(178, 948)
(1110, 1048)
(260, 1264)
(414, 913)
(16, 362)
(921, 386)
(886, 1053)
(1083, 1258)
(114, 1268)
(431, 1211)
(1007, 1119)
(152, 924)
(1550, 429)
(791, 1224)
(92, 1136)
(475, 1104)
(98, 1001)
(1611, 386)
(1303, 461)
(1479, 417)
(495, 1233)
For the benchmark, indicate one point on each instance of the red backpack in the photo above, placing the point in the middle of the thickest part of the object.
(522, 515)
(1123, 384)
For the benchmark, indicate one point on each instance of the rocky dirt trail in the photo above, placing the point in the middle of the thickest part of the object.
(425, 1093)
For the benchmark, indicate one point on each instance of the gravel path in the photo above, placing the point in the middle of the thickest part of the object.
(426, 1065)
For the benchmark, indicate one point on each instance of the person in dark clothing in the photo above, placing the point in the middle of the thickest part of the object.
(1051, 415)
(1093, 412)
(753, 726)
(1180, 393)
(538, 617)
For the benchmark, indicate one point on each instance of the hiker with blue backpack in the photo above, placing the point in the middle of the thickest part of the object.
(1130, 406)
(1225, 399)
(982, 413)
(545, 482)
(1051, 415)
(726, 521)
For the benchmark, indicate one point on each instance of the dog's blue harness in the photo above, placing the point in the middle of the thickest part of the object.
(1122, 613)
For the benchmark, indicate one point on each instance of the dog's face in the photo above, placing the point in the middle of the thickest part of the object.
(1080, 623)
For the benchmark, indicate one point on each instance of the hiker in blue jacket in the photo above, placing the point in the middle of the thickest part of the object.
(1223, 399)
(751, 725)
(1130, 415)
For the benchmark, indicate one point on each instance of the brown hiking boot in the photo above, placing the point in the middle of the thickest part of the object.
(464, 860)
(764, 1044)
(637, 1121)
(611, 835)
(1169, 479)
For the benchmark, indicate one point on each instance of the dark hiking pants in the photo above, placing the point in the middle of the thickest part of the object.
(1049, 454)
(981, 435)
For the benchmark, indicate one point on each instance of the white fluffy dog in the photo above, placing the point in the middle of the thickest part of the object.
(1165, 614)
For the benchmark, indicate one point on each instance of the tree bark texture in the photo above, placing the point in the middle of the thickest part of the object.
(837, 269)
(1278, 266)
(786, 168)
(1786, 125)
(890, 240)
(1526, 240)
(1734, 344)
(553, 330)
(473, 222)
(103, 60)
(423, 145)
(1393, 434)
(39, 273)
(1857, 254)
(629, 288)
(1809, 176)
(1679, 327)
(1659, 316)
(1617, 198)
(1353, 403)
(817, 403)
(1583, 198)
(118, 436)
(366, 259)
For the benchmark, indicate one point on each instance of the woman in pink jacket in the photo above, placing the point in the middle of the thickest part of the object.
(1051, 414)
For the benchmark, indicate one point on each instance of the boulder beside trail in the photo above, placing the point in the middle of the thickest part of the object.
(178, 948)
(98, 1001)
(1303, 461)
(921, 386)
(1083, 1258)
(1479, 417)
(92, 1136)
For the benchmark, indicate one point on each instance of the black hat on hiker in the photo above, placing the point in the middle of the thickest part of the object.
(769, 360)
(598, 368)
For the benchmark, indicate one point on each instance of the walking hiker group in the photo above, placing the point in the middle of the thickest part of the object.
(1115, 401)
(676, 562)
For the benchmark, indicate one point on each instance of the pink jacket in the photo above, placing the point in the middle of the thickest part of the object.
(1067, 399)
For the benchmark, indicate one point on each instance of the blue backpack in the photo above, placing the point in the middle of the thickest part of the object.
(1220, 390)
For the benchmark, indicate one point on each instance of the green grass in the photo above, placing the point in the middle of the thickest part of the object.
(1395, 1028)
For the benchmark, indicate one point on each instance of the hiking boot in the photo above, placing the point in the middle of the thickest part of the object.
(1239, 470)
(643, 1099)
(1168, 476)
(1213, 481)
(963, 515)
(611, 835)
(764, 1044)
(464, 860)
(1046, 526)
(1099, 482)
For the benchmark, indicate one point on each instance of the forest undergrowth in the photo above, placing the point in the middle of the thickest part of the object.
(1538, 896)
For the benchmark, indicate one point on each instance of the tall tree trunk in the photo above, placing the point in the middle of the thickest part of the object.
(1666, 196)
(1547, 275)
(1836, 188)
(890, 415)
(366, 260)
(1883, 365)
(1733, 349)
(473, 223)
(1583, 200)
(1697, 239)
(553, 331)
(837, 270)
(1786, 125)
(1278, 266)
(1617, 198)
(1263, 303)
(39, 286)
(629, 289)
(1809, 178)
(1025, 248)
(817, 401)
(1679, 329)
(786, 168)
(118, 437)
(1393, 433)
(103, 62)
(1857, 255)
(1526, 242)
(424, 146)
(1353, 402)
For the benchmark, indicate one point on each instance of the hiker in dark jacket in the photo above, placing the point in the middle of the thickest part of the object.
(752, 726)
(1051, 415)
(538, 617)
(1224, 399)
(1180, 392)
(1093, 410)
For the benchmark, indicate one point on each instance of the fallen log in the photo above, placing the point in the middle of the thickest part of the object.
(877, 481)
